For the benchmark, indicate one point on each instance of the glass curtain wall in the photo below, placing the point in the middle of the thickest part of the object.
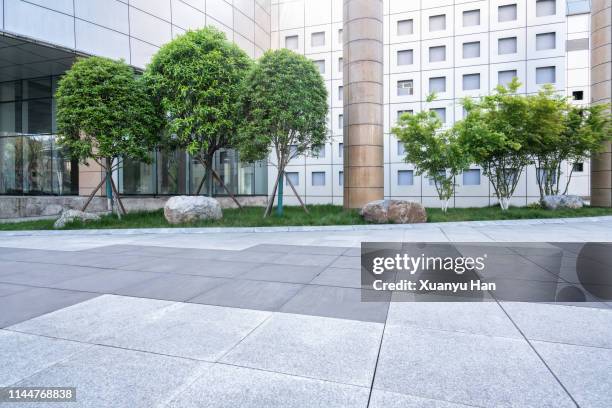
(176, 172)
(31, 162)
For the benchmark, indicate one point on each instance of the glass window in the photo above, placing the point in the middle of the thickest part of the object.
(340, 36)
(506, 13)
(171, 172)
(471, 18)
(293, 149)
(437, 54)
(431, 180)
(405, 27)
(471, 177)
(137, 178)
(471, 82)
(10, 91)
(401, 112)
(294, 177)
(543, 175)
(341, 150)
(546, 41)
(437, 84)
(437, 23)
(405, 57)
(505, 77)
(471, 49)
(401, 149)
(441, 112)
(546, 8)
(340, 93)
(340, 64)
(405, 178)
(317, 39)
(319, 151)
(340, 121)
(578, 95)
(545, 75)
(506, 45)
(340, 178)
(318, 178)
(405, 87)
(291, 42)
(320, 65)
(578, 167)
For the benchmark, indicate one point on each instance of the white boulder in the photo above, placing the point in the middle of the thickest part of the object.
(553, 202)
(185, 209)
(73, 215)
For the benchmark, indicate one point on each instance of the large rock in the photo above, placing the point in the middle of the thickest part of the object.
(183, 209)
(73, 215)
(553, 202)
(394, 211)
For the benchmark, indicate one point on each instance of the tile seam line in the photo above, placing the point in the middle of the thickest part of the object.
(538, 354)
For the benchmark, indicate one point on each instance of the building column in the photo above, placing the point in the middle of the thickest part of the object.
(601, 92)
(363, 102)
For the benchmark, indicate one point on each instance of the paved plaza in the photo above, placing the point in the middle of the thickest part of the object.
(261, 318)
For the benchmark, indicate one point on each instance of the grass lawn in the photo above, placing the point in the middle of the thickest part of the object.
(319, 215)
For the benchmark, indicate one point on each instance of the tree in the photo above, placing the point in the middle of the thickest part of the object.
(562, 133)
(104, 114)
(196, 81)
(285, 107)
(495, 133)
(433, 151)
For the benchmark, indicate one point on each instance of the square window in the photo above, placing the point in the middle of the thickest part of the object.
(293, 151)
(506, 45)
(578, 167)
(437, 23)
(340, 93)
(405, 27)
(505, 77)
(431, 180)
(471, 49)
(578, 95)
(542, 174)
(340, 178)
(546, 41)
(437, 85)
(401, 149)
(401, 112)
(471, 18)
(405, 57)
(546, 8)
(471, 177)
(546, 75)
(291, 42)
(441, 112)
(320, 65)
(437, 54)
(405, 178)
(471, 82)
(319, 151)
(506, 13)
(341, 150)
(317, 39)
(293, 177)
(318, 178)
(405, 87)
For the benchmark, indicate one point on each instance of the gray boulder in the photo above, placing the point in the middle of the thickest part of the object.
(73, 215)
(394, 211)
(184, 209)
(553, 202)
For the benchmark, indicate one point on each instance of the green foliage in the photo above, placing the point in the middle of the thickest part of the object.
(196, 82)
(433, 151)
(496, 133)
(285, 106)
(104, 112)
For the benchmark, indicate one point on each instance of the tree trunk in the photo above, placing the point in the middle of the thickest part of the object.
(445, 204)
(279, 204)
(272, 197)
(109, 190)
(93, 193)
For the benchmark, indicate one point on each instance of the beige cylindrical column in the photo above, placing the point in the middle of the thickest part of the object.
(601, 92)
(363, 102)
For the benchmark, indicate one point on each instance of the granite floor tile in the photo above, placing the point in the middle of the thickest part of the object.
(171, 287)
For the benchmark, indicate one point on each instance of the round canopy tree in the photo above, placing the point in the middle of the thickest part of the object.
(285, 110)
(104, 114)
(196, 80)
